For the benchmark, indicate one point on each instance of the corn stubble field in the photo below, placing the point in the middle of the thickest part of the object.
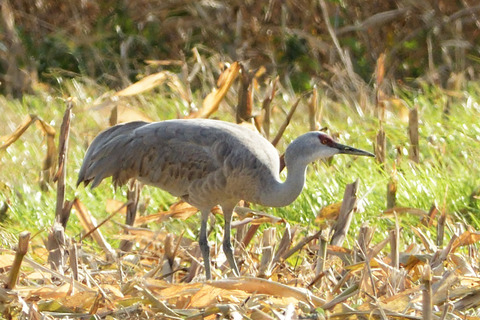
(393, 237)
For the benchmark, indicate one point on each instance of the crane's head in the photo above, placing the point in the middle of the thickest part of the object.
(317, 145)
(328, 143)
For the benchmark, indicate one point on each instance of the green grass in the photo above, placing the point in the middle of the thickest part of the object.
(447, 175)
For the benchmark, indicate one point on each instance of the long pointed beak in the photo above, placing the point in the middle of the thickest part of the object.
(343, 149)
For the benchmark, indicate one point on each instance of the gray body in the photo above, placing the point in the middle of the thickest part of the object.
(206, 163)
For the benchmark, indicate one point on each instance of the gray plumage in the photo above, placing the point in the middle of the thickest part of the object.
(206, 163)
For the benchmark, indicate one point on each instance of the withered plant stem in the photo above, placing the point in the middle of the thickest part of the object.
(285, 123)
(23, 241)
(346, 214)
(427, 293)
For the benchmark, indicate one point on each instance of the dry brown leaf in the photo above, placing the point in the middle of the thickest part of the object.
(395, 303)
(168, 291)
(212, 100)
(260, 72)
(238, 287)
(266, 219)
(428, 243)
(156, 304)
(464, 268)
(262, 286)
(254, 217)
(336, 249)
(164, 62)
(40, 268)
(38, 276)
(52, 292)
(245, 96)
(121, 114)
(413, 263)
(360, 265)
(45, 127)
(344, 295)
(178, 86)
(50, 157)
(285, 123)
(8, 140)
(48, 130)
(257, 221)
(380, 69)
(142, 235)
(465, 239)
(398, 107)
(399, 210)
(245, 212)
(329, 212)
(470, 301)
(146, 83)
(6, 261)
(228, 73)
(470, 282)
(113, 205)
(208, 295)
(79, 301)
(88, 223)
(181, 211)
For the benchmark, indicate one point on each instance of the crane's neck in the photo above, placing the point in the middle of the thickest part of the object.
(278, 193)
(302, 151)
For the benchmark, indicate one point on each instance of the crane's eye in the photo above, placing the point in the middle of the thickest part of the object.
(325, 140)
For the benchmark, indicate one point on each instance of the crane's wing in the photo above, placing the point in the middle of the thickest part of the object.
(88, 171)
(166, 154)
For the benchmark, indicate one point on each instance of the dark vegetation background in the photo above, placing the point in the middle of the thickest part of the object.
(110, 41)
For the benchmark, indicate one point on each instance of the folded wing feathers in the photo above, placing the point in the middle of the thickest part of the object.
(105, 153)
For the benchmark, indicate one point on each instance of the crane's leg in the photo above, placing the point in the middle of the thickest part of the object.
(203, 242)
(227, 244)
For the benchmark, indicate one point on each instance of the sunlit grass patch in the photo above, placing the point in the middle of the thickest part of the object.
(447, 178)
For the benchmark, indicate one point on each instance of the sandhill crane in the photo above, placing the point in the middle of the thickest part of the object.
(206, 163)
